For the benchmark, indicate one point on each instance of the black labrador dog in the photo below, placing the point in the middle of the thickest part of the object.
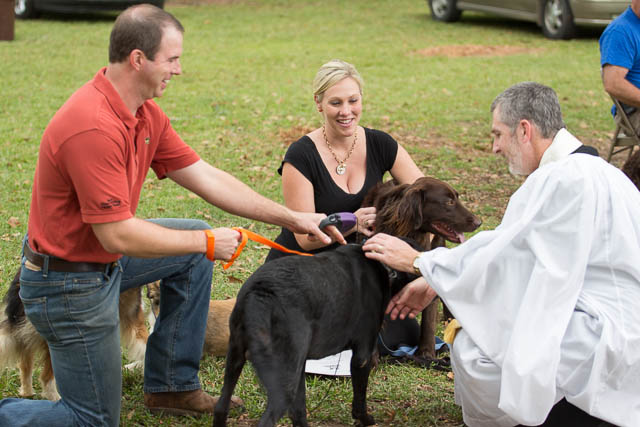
(297, 308)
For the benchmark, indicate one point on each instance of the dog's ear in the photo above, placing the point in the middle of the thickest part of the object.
(387, 199)
(380, 192)
(411, 205)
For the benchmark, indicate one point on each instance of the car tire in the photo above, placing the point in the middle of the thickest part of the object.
(444, 10)
(557, 20)
(24, 9)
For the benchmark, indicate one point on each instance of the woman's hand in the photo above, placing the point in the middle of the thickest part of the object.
(411, 300)
(366, 221)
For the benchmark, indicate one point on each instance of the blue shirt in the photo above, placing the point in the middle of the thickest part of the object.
(620, 45)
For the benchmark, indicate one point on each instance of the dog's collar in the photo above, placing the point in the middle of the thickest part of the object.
(393, 274)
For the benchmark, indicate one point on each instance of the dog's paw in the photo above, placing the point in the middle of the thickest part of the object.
(138, 364)
(50, 393)
(364, 420)
(53, 396)
(25, 391)
(439, 364)
(367, 421)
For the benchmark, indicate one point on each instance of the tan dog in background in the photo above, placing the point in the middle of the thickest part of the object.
(21, 344)
(216, 338)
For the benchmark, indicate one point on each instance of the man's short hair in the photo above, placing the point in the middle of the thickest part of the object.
(530, 101)
(139, 27)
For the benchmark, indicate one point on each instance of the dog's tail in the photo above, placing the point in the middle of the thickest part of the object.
(9, 348)
(17, 334)
(133, 331)
(12, 304)
(10, 320)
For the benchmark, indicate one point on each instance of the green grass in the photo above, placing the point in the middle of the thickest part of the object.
(245, 93)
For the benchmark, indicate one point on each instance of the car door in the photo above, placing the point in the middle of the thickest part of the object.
(529, 6)
(485, 4)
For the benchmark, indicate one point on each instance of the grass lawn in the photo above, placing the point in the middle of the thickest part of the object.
(245, 94)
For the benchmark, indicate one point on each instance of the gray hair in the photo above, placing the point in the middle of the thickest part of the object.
(530, 101)
(331, 73)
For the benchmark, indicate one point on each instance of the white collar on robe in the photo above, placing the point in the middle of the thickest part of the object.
(562, 145)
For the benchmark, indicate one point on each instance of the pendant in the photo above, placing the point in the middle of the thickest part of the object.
(341, 169)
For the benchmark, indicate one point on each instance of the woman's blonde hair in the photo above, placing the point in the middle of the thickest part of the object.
(331, 73)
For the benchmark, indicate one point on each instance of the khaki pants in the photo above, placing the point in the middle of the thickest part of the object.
(634, 118)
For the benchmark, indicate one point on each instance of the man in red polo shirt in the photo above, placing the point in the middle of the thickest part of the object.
(85, 243)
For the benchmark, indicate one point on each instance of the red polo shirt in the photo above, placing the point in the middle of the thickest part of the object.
(94, 157)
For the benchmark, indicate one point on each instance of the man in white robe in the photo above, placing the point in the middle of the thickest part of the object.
(549, 301)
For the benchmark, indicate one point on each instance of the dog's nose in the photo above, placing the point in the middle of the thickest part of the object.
(477, 222)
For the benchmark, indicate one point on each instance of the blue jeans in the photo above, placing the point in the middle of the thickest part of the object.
(77, 313)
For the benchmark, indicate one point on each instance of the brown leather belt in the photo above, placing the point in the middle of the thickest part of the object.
(61, 265)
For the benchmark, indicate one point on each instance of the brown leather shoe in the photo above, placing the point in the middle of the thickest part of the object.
(193, 403)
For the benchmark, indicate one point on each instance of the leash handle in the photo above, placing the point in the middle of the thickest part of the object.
(246, 235)
(344, 221)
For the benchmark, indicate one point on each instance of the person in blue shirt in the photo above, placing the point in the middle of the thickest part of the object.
(620, 62)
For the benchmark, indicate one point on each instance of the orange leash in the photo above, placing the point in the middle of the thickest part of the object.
(246, 235)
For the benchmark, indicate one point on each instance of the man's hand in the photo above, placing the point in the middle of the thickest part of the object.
(226, 241)
(223, 190)
(307, 223)
(391, 251)
(411, 300)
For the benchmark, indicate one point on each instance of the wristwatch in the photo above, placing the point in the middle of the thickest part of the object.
(416, 268)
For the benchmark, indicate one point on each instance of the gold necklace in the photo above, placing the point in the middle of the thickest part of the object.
(342, 164)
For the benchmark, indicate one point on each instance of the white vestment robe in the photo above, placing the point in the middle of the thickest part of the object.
(549, 301)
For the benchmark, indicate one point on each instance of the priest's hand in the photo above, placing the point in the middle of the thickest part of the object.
(391, 251)
(411, 300)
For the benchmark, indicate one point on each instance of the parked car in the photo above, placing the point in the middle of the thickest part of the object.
(558, 18)
(25, 9)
